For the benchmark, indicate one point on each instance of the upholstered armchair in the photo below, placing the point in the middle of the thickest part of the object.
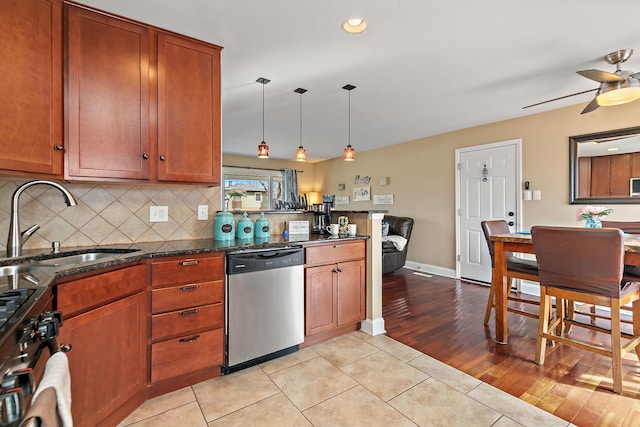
(396, 242)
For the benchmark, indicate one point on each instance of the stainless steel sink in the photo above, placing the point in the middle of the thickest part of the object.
(61, 259)
(73, 259)
(17, 269)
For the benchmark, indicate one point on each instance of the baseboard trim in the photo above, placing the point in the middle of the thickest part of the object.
(433, 269)
(373, 326)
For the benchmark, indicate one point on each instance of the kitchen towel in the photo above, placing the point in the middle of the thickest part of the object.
(42, 413)
(56, 375)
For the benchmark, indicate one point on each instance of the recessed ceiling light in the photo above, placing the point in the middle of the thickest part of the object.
(354, 25)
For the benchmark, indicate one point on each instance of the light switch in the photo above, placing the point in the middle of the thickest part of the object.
(203, 212)
(537, 195)
(527, 194)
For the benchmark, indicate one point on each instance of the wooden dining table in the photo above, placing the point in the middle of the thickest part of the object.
(523, 243)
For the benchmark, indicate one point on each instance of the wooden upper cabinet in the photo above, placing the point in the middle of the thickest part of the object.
(108, 96)
(188, 110)
(31, 87)
(143, 104)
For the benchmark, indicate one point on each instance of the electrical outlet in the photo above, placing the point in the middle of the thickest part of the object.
(158, 213)
(203, 212)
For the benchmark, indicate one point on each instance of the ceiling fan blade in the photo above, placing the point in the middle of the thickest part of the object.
(562, 97)
(600, 76)
(635, 75)
(590, 106)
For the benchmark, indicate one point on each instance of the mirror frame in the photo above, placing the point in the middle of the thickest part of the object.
(573, 167)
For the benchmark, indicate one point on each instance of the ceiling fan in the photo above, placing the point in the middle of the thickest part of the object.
(615, 88)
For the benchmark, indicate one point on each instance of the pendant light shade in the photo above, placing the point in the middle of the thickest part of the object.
(301, 153)
(263, 148)
(349, 151)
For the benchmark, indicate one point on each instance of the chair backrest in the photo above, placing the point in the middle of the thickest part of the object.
(400, 225)
(631, 227)
(490, 228)
(581, 259)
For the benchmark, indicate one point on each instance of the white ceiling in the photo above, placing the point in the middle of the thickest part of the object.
(421, 68)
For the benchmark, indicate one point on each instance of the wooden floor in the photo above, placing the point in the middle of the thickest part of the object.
(442, 317)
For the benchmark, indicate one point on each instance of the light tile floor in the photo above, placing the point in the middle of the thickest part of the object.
(352, 380)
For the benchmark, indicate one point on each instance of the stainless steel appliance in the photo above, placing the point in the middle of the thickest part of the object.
(28, 331)
(321, 217)
(264, 302)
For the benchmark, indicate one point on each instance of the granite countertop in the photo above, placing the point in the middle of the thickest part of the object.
(124, 254)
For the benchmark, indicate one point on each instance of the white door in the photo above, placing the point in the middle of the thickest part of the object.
(488, 177)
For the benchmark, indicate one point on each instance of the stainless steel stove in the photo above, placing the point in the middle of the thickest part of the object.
(28, 330)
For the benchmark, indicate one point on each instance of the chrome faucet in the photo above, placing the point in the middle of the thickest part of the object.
(16, 238)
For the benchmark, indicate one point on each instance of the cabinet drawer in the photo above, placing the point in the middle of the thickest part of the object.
(187, 269)
(186, 295)
(181, 322)
(84, 294)
(186, 354)
(337, 252)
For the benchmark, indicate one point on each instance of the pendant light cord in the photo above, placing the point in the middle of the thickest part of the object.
(349, 118)
(263, 111)
(300, 120)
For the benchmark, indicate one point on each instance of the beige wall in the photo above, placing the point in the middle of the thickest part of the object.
(422, 174)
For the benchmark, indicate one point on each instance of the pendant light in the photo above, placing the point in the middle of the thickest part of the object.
(349, 152)
(301, 153)
(263, 148)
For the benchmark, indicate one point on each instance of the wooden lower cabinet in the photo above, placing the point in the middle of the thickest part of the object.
(334, 290)
(187, 321)
(108, 359)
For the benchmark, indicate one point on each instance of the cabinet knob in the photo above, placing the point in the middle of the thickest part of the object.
(145, 156)
(58, 147)
(66, 348)
(163, 158)
(192, 339)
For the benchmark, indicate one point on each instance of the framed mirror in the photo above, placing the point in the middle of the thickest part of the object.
(604, 167)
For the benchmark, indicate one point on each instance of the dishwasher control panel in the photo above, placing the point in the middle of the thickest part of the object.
(260, 260)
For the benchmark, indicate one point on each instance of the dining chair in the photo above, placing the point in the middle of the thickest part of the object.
(586, 266)
(517, 268)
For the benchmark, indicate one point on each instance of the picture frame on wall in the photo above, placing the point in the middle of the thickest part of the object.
(361, 194)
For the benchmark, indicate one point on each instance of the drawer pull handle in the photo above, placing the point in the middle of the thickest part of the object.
(189, 262)
(192, 339)
(190, 288)
(337, 246)
(190, 312)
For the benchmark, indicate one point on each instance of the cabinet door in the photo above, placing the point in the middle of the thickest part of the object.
(351, 292)
(31, 86)
(620, 174)
(188, 110)
(108, 359)
(320, 299)
(600, 172)
(108, 97)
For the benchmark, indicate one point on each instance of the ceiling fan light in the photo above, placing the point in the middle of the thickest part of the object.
(349, 154)
(263, 150)
(301, 154)
(617, 93)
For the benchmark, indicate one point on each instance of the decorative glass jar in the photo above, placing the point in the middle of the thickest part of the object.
(593, 222)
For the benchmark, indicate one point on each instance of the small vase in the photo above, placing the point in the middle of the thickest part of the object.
(236, 203)
(593, 222)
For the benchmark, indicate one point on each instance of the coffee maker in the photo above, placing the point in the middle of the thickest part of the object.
(322, 215)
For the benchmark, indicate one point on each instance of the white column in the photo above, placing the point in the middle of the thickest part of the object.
(374, 323)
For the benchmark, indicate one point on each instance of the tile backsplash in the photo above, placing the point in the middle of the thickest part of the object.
(111, 214)
(107, 214)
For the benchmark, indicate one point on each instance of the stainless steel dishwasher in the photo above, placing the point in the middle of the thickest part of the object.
(264, 305)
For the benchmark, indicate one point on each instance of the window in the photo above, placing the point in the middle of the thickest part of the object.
(259, 189)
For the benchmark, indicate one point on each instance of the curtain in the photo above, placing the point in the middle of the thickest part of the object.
(290, 185)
